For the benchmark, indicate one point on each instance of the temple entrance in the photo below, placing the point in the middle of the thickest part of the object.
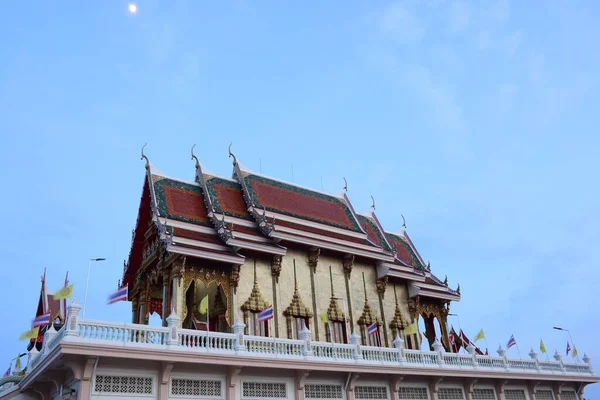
(205, 307)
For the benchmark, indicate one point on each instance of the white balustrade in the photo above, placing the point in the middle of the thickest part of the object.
(237, 343)
(215, 341)
(128, 333)
(458, 360)
(273, 346)
(490, 362)
(550, 366)
(333, 351)
(52, 343)
(576, 368)
(386, 355)
(524, 365)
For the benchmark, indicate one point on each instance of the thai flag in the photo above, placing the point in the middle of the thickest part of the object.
(511, 342)
(568, 348)
(41, 320)
(119, 295)
(371, 329)
(265, 314)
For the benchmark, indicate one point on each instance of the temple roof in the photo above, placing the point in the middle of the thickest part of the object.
(375, 233)
(181, 201)
(297, 201)
(177, 210)
(406, 253)
(287, 212)
(217, 218)
(228, 214)
(226, 197)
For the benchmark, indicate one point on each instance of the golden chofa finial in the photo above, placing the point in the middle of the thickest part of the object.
(194, 157)
(144, 156)
(232, 155)
(345, 185)
(373, 203)
(403, 221)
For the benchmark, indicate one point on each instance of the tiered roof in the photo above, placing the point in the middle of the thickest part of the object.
(224, 220)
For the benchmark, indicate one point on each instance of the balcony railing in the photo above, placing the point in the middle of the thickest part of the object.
(236, 343)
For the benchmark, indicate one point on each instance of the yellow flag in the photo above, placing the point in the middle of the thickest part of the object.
(64, 293)
(30, 334)
(411, 329)
(542, 346)
(324, 317)
(203, 305)
(574, 354)
(18, 363)
(479, 336)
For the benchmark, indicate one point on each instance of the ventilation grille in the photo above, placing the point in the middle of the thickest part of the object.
(123, 384)
(323, 391)
(370, 392)
(413, 393)
(544, 395)
(568, 395)
(514, 394)
(264, 390)
(451, 394)
(484, 394)
(196, 388)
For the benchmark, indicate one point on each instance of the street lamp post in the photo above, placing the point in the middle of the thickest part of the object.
(570, 338)
(87, 281)
(459, 328)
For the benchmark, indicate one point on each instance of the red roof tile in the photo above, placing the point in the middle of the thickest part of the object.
(181, 201)
(226, 197)
(403, 251)
(186, 204)
(373, 233)
(231, 200)
(299, 202)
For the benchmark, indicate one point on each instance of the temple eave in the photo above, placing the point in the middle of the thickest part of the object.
(330, 246)
(208, 255)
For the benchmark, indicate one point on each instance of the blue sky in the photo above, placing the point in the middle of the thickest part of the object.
(473, 119)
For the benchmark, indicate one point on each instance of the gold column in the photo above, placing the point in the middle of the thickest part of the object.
(348, 262)
(381, 286)
(275, 272)
(313, 260)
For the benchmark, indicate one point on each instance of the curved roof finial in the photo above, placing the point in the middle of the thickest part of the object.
(345, 185)
(403, 221)
(232, 155)
(194, 157)
(373, 204)
(144, 156)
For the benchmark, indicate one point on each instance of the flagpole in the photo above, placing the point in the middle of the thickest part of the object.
(518, 351)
